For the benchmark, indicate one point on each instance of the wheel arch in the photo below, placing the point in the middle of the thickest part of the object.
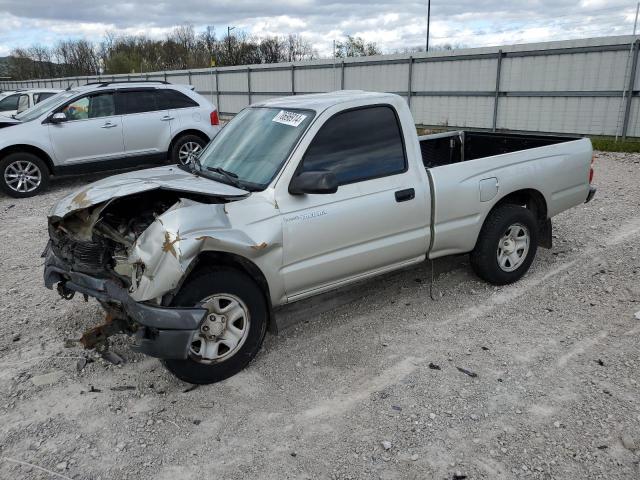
(534, 201)
(188, 131)
(38, 152)
(211, 258)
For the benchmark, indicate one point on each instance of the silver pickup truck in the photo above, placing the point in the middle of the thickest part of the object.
(297, 196)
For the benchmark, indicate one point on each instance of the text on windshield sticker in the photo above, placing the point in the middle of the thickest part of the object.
(292, 119)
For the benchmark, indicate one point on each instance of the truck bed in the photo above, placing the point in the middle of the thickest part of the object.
(459, 146)
(462, 194)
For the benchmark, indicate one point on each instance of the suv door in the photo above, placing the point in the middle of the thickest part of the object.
(92, 131)
(378, 218)
(146, 127)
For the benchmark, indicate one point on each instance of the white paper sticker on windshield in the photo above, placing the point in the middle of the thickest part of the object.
(292, 119)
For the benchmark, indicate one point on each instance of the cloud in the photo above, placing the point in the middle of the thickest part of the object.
(393, 25)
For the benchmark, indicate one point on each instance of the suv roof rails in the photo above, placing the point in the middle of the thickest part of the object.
(105, 84)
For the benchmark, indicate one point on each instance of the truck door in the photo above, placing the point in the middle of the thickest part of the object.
(378, 218)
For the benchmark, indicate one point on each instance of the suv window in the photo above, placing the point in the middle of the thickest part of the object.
(170, 99)
(9, 103)
(38, 97)
(358, 145)
(137, 101)
(91, 106)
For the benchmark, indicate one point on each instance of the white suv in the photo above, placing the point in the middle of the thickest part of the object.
(103, 126)
(21, 100)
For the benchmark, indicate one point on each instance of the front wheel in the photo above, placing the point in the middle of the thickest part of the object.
(233, 331)
(23, 175)
(506, 246)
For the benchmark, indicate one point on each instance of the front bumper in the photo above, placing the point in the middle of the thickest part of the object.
(163, 332)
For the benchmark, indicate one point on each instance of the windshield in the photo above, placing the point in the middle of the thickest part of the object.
(44, 106)
(255, 144)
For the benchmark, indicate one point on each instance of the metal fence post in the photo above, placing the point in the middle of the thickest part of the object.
(189, 77)
(249, 84)
(497, 95)
(342, 75)
(293, 79)
(409, 81)
(632, 81)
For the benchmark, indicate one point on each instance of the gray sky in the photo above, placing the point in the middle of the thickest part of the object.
(391, 24)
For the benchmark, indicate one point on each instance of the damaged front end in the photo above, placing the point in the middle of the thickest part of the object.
(131, 254)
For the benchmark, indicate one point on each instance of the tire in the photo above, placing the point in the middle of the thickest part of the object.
(221, 283)
(35, 173)
(500, 256)
(185, 147)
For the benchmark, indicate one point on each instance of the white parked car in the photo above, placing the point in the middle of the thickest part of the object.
(103, 126)
(12, 103)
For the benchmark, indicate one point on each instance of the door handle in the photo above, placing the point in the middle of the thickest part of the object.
(166, 118)
(108, 125)
(405, 195)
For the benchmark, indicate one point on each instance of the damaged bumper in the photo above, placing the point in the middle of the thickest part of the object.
(591, 194)
(162, 332)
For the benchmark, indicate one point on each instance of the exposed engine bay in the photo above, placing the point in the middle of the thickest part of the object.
(96, 240)
(99, 241)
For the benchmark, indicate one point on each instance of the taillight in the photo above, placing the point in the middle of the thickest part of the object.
(593, 159)
(214, 118)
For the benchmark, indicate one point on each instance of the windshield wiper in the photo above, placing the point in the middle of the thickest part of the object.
(231, 177)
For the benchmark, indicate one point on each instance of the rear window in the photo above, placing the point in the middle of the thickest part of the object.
(137, 101)
(170, 99)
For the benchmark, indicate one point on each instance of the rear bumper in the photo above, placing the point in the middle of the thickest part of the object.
(163, 332)
(591, 194)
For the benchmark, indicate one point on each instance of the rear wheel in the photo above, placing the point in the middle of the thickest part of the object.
(233, 331)
(23, 175)
(506, 246)
(186, 149)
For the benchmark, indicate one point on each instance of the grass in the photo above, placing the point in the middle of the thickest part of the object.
(609, 144)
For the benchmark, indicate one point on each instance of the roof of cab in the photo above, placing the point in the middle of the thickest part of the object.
(322, 101)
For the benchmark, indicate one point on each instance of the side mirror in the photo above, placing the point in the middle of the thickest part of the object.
(317, 181)
(58, 117)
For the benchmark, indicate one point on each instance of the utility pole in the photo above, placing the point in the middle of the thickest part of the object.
(635, 23)
(428, 22)
(229, 41)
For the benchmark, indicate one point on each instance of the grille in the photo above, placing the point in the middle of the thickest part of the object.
(89, 254)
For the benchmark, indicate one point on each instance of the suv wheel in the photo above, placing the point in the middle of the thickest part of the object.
(23, 175)
(186, 149)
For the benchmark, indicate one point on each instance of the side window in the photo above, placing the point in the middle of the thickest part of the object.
(78, 109)
(170, 99)
(9, 103)
(137, 101)
(92, 106)
(38, 97)
(358, 145)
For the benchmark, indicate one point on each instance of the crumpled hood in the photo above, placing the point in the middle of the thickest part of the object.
(168, 177)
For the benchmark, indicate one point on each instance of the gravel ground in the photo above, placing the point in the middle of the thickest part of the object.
(366, 383)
